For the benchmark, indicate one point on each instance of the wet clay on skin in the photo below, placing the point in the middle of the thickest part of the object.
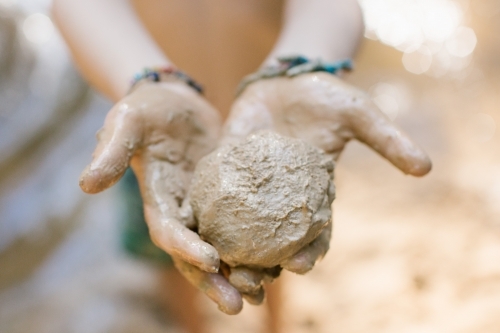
(262, 200)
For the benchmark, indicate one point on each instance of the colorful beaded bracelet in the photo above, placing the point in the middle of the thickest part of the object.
(155, 74)
(292, 66)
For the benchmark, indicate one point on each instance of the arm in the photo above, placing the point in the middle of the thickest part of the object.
(328, 29)
(107, 41)
(160, 129)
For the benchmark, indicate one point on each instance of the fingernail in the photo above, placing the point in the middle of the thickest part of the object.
(211, 256)
(231, 309)
(210, 269)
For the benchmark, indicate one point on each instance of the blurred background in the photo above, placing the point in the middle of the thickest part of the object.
(408, 255)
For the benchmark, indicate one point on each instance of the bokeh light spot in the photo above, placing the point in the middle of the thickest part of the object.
(388, 105)
(418, 26)
(38, 28)
(419, 61)
(462, 43)
(392, 98)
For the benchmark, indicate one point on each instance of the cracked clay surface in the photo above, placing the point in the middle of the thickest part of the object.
(260, 201)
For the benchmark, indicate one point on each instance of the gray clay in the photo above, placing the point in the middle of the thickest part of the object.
(262, 200)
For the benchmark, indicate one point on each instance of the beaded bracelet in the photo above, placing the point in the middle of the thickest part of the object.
(291, 66)
(155, 74)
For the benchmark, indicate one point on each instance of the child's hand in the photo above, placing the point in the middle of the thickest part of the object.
(325, 111)
(162, 130)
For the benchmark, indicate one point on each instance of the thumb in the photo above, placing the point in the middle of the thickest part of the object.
(214, 285)
(304, 260)
(117, 142)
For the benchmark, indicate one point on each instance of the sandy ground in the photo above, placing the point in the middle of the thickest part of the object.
(408, 255)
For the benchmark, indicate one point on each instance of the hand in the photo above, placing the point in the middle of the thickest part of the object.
(161, 130)
(325, 111)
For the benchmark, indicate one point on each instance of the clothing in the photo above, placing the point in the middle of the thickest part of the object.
(135, 237)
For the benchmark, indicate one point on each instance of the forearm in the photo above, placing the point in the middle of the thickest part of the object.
(108, 42)
(326, 29)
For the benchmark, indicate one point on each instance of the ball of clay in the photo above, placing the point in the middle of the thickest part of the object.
(260, 201)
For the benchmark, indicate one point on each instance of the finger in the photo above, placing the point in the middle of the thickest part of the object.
(304, 260)
(214, 285)
(163, 189)
(246, 280)
(174, 238)
(372, 127)
(186, 213)
(257, 298)
(117, 141)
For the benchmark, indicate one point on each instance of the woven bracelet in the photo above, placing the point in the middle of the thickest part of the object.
(292, 66)
(155, 74)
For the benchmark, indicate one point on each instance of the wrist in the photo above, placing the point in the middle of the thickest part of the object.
(311, 53)
(125, 68)
(164, 74)
(291, 66)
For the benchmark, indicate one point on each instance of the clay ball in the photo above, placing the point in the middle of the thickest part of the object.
(262, 200)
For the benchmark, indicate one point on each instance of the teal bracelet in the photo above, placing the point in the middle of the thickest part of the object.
(291, 66)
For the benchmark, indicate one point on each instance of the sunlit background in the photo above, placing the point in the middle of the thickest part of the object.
(408, 256)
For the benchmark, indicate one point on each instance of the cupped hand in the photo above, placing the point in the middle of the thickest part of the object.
(161, 130)
(327, 112)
